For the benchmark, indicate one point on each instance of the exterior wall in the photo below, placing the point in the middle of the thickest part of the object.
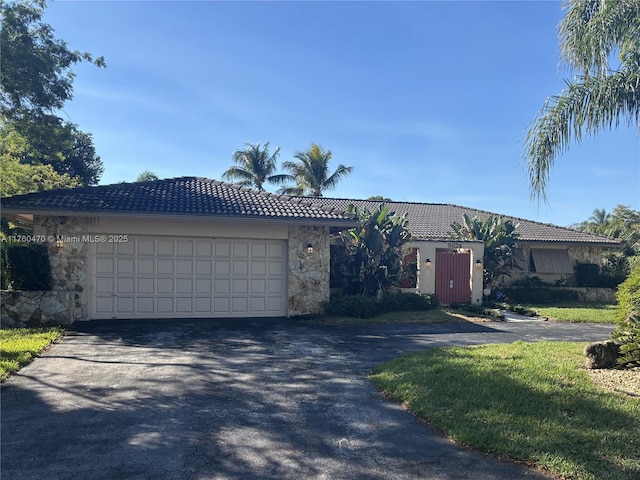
(187, 227)
(39, 308)
(308, 273)
(584, 253)
(427, 275)
(68, 259)
(308, 276)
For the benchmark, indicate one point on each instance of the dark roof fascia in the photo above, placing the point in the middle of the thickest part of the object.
(347, 222)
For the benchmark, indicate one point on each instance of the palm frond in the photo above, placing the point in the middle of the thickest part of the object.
(583, 109)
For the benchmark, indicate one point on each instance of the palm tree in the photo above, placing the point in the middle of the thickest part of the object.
(599, 97)
(311, 172)
(255, 166)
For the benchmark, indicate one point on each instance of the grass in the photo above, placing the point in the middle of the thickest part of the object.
(19, 346)
(528, 402)
(591, 313)
(437, 315)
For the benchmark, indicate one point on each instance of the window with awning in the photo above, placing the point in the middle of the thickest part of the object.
(547, 260)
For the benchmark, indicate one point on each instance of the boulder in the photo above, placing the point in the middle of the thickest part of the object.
(601, 354)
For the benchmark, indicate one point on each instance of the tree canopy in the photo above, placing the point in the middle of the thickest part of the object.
(593, 35)
(255, 166)
(311, 172)
(37, 80)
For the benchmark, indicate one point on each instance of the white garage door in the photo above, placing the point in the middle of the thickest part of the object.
(150, 277)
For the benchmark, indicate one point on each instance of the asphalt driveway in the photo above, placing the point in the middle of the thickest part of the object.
(242, 399)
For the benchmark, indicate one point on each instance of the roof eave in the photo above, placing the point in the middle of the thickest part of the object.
(21, 212)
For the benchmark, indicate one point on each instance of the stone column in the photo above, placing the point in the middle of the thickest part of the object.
(68, 255)
(308, 272)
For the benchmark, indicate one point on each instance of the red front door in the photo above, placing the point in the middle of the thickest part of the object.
(453, 276)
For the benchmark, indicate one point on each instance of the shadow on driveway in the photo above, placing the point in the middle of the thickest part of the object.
(222, 399)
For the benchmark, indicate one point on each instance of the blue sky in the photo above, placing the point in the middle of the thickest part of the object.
(428, 101)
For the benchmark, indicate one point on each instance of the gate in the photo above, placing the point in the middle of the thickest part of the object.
(453, 276)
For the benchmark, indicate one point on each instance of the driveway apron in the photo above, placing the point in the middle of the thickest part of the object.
(242, 399)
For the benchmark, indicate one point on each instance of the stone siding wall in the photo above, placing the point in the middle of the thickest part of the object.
(39, 308)
(69, 259)
(308, 273)
(577, 254)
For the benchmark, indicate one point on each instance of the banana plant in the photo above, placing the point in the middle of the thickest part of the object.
(369, 256)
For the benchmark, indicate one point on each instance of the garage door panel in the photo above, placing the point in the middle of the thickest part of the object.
(145, 304)
(105, 265)
(105, 304)
(258, 267)
(184, 267)
(184, 286)
(184, 248)
(125, 248)
(203, 304)
(275, 286)
(164, 285)
(124, 305)
(124, 265)
(145, 266)
(165, 248)
(277, 250)
(145, 247)
(189, 277)
(240, 249)
(257, 305)
(222, 286)
(164, 267)
(124, 285)
(164, 305)
(221, 305)
(240, 267)
(222, 249)
(203, 285)
(275, 304)
(104, 285)
(105, 248)
(258, 286)
(240, 286)
(203, 267)
(184, 305)
(259, 250)
(222, 268)
(204, 249)
(276, 268)
(240, 304)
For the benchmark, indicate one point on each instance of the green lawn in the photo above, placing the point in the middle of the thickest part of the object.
(529, 402)
(19, 346)
(579, 313)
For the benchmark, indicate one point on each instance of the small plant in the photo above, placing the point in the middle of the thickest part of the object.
(478, 310)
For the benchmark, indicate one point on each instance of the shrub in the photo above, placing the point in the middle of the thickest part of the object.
(587, 275)
(27, 266)
(356, 306)
(401, 302)
(540, 295)
(627, 335)
(629, 295)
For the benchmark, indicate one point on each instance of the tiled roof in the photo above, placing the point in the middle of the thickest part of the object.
(185, 196)
(433, 221)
